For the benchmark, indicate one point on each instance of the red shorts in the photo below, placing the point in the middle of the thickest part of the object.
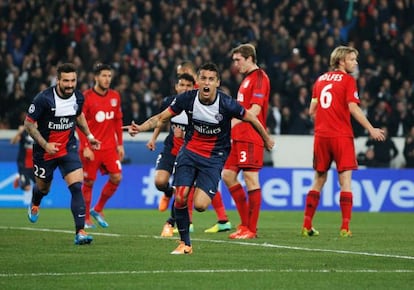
(246, 156)
(107, 161)
(338, 149)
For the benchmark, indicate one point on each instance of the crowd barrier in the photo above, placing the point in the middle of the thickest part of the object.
(375, 190)
(284, 185)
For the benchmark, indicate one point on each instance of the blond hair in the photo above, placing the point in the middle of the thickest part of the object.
(339, 53)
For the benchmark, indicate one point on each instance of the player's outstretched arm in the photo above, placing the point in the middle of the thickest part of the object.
(156, 121)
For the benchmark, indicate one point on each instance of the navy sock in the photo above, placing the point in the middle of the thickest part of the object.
(77, 205)
(171, 219)
(169, 191)
(37, 195)
(172, 211)
(182, 219)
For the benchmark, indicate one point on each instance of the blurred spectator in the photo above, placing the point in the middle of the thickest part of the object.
(409, 149)
(274, 117)
(380, 153)
(145, 40)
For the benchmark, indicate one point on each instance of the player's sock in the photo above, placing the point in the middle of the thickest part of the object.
(345, 202)
(37, 196)
(255, 201)
(77, 205)
(312, 201)
(107, 191)
(172, 212)
(169, 191)
(218, 206)
(182, 219)
(239, 197)
(87, 197)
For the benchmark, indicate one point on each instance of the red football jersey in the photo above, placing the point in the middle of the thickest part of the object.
(104, 116)
(254, 89)
(334, 90)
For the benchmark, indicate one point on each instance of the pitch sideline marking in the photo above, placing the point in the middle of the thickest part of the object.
(11, 275)
(266, 245)
(309, 249)
(203, 271)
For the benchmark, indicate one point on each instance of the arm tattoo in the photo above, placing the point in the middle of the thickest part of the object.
(35, 134)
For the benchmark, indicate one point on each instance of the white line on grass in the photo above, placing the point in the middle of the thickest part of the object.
(9, 275)
(53, 231)
(267, 245)
(251, 244)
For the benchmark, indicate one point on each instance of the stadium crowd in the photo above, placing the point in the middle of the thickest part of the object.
(145, 40)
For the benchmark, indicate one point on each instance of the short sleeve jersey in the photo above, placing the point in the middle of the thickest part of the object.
(56, 120)
(172, 143)
(254, 89)
(209, 128)
(333, 91)
(103, 114)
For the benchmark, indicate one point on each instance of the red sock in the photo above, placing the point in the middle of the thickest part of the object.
(255, 201)
(190, 203)
(107, 191)
(345, 201)
(87, 196)
(312, 201)
(218, 206)
(239, 197)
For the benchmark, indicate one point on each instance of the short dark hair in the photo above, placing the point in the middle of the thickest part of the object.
(65, 68)
(187, 77)
(211, 67)
(100, 67)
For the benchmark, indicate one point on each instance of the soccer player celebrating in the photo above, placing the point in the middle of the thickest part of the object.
(207, 144)
(172, 144)
(334, 100)
(51, 121)
(102, 109)
(247, 147)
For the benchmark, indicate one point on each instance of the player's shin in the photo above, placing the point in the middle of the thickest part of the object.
(77, 205)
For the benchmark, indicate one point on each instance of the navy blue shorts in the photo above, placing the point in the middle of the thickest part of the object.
(44, 169)
(165, 161)
(193, 169)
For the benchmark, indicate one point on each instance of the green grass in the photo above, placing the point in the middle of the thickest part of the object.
(131, 255)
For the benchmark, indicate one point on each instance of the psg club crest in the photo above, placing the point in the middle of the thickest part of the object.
(31, 108)
(218, 117)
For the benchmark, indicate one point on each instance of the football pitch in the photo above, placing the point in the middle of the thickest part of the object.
(130, 254)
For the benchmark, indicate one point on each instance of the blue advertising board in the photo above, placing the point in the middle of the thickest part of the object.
(375, 190)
